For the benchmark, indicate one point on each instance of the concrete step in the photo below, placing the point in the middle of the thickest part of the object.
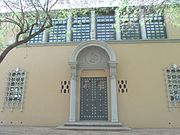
(93, 123)
(93, 128)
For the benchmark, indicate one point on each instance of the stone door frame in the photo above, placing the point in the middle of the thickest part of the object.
(73, 82)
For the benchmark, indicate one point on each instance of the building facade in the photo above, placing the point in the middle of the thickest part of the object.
(95, 68)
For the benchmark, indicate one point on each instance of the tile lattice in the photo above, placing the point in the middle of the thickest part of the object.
(65, 86)
(122, 86)
(172, 76)
(15, 89)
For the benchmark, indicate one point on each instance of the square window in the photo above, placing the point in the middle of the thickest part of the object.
(58, 31)
(155, 25)
(105, 27)
(81, 29)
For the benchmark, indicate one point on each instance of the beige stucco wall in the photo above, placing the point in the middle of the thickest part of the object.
(173, 30)
(141, 64)
(146, 104)
(43, 103)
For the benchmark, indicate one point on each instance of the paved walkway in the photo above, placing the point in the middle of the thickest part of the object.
(53, 131)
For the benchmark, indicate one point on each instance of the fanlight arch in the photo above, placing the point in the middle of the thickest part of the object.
(100, 44)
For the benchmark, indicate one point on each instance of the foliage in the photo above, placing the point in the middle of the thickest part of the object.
(151, 7)
(173, 14)
(22, 16)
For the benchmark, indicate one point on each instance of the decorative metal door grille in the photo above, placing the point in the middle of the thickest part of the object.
(93, 98)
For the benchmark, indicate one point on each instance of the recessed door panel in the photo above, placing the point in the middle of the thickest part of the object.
(93, 98)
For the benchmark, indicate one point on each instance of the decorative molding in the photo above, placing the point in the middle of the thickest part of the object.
(93, 54)
(93, 25)
(112, 66)
(73, 74)
(93, 57)
(117, 24)
(114, 42)
(45, 36)
(73, 65)
(142, 24)
(69, 26)
(113, 73)
(101, 44)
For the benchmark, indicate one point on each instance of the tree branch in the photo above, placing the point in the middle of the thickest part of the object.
(12, 10)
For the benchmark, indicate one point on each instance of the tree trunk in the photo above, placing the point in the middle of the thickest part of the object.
(7, 50)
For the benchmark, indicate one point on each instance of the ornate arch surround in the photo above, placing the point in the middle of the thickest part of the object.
(100, 44)
(73, 62)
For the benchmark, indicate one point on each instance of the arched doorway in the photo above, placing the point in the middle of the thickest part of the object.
(93, 55)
